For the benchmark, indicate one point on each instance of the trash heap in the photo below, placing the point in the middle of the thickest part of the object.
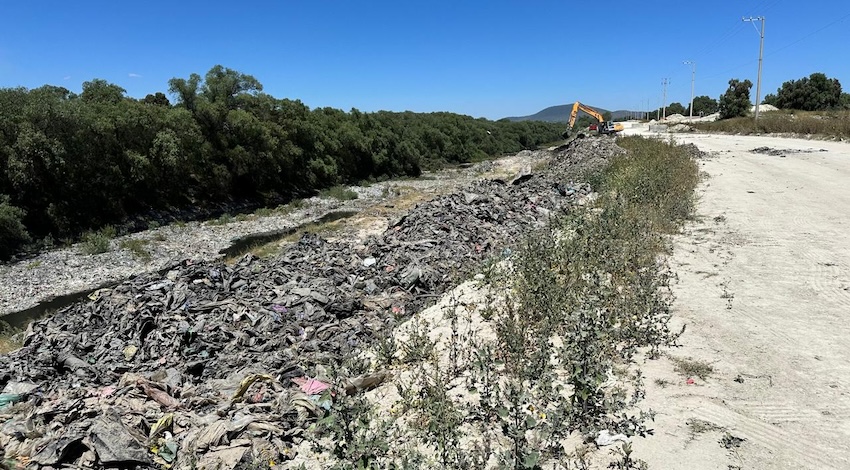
(223, 366)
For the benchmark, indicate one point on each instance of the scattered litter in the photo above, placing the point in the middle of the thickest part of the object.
(605, 438)
(310, 386)
(202, 365)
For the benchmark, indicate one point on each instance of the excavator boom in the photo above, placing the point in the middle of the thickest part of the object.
(603, 127)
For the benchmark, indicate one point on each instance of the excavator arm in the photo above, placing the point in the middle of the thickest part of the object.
(580, 107)
(614, 128)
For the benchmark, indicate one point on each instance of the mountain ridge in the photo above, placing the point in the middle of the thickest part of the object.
(561, 113)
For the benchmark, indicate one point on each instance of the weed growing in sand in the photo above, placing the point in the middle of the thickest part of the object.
(690, 367)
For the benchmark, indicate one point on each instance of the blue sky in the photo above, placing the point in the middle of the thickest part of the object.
(489, 59)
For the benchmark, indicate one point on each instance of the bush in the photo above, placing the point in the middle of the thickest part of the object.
(813, 93)
(827, 124)
(13, 233)
(98, 242)
(656, 177)
(339, 192)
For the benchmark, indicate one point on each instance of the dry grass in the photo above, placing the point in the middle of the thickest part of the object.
(8, 344)
(835, 124)
(690, 367)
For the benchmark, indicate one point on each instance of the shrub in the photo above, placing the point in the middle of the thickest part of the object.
(656, 177)
(98, 242)
(339, 192)
(137, 247)
(13, 234)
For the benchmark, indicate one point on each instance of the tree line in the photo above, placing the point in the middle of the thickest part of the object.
(816, 92)
(75, 162)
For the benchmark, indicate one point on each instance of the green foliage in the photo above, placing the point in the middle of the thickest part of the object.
(138, 247)
(736, 101)
(676, 108)
(13, 234)
(571, 307)
(813, 93)
(657, 177)
(158, 99)
(103, 92)
(824, 123)
(339, 192)
(703, 105)
(98, 242)
(71, 163)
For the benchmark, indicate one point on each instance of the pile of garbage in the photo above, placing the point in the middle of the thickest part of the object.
(225, 366)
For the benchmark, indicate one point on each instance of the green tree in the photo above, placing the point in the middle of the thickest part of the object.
(158, 99)
(736, 101)
(13, 234)
(101, 91)
(73, 163)
(675, 108)
(224, 85)
(703, 105)
(185, 90)
(816, 92)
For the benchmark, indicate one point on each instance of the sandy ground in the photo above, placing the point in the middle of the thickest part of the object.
(764, 288)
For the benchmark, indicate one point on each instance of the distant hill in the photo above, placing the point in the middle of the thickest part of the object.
(561, 113)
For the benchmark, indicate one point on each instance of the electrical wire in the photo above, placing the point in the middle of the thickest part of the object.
(773, 52)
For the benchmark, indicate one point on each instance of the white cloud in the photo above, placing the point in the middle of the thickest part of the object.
(66, 77)
(134, 75)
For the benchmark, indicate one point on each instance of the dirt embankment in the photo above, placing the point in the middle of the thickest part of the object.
(200, 366)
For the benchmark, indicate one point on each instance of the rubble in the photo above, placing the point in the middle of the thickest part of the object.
(211, 365)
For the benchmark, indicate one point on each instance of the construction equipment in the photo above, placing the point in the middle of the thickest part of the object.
(604, 127)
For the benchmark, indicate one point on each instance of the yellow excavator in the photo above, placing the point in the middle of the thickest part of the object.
(604, 127)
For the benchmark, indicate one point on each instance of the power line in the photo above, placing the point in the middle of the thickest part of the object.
(734, 29)
(809, 35)
(775, 51)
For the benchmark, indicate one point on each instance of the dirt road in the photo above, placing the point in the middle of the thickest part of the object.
(764, 288)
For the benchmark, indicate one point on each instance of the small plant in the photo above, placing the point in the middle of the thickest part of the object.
(729, 441)
(339, 192)
(663, 383)
(418, 347)
(690, 367)
(699, 426)
(625, 461)
(153, 224)
(48, 242)
(263, 212)
(222, 220)
(386, 349)
(33, 264)
(98, 242)
(138, 247)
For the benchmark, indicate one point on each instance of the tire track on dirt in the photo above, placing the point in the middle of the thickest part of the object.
(804, 452)
(788, 276)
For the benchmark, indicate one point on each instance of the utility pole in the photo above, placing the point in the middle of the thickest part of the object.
(693, 76)
(664, 84)
(761, 55)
